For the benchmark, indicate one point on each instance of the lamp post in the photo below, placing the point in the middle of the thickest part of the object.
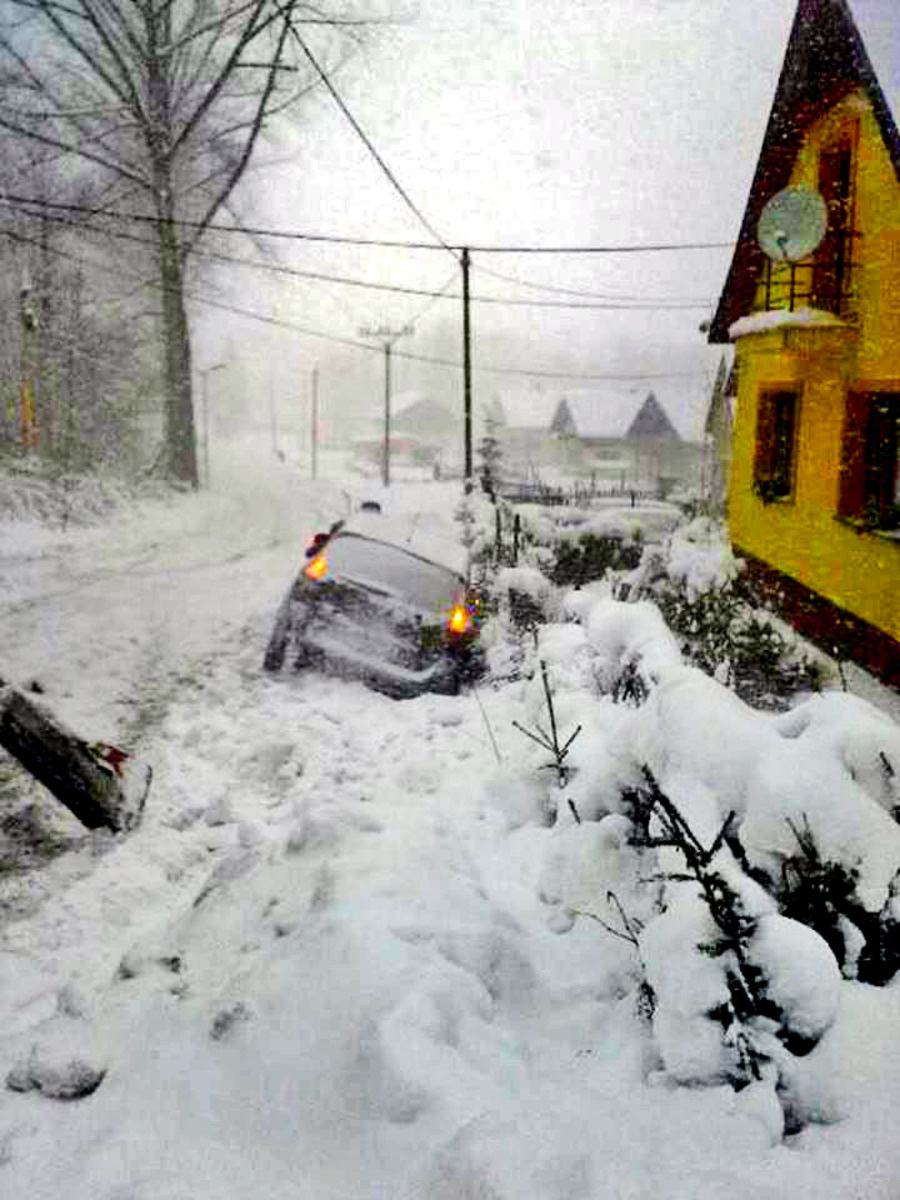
(387, 337)
(204, 373)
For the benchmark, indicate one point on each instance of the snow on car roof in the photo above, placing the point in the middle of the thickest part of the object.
(416, 533)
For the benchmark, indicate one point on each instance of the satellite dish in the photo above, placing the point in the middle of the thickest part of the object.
(792, 224)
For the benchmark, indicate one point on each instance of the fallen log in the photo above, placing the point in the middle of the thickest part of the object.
(99, 784)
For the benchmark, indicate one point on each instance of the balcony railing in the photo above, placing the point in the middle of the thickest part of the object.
(823, 282)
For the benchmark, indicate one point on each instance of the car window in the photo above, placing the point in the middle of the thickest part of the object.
(424, 584)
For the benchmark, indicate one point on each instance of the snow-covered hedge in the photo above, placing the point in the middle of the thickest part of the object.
(751, 859)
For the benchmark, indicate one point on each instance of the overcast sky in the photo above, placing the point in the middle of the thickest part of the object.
(513, 122)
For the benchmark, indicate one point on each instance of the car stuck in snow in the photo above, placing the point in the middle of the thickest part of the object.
(370, 607)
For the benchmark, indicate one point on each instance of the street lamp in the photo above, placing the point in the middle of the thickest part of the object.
(387, 337)
(204, 373)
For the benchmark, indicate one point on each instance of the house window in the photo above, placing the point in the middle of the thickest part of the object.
(870, 471)
(776, 434)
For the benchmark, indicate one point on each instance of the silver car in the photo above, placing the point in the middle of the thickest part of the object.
(369, 609)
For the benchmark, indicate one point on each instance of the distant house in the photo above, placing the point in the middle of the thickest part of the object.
(627, 440)
(425, 420)
(814, 498)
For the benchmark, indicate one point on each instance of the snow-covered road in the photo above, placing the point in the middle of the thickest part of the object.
(107, 618)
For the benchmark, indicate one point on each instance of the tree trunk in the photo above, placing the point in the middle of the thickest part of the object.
(100, 785)
(181, 441)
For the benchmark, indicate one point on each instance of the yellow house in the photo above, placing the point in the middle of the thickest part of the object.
(812, 304)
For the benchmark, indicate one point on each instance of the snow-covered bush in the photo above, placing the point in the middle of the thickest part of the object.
(744, 859)
(706, 603)
(582, 559)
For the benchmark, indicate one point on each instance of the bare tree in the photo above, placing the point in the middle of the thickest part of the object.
(160, 103)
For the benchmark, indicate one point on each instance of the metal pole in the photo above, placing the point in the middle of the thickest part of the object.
(314, 419)
(386, 461)
(467, 367)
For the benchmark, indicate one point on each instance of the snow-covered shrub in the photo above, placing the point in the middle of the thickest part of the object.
(864, 740)
(736, 984)
(589, 556)
(521, 601)
(695, 580)
(810, 825)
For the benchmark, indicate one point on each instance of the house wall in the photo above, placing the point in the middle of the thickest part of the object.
(803, 537)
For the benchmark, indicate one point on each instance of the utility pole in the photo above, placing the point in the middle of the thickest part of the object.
(204, 373)
(467, 368)
(314, 420)
(387, 337)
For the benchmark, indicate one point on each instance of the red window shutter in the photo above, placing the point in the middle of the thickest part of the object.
(852, 497)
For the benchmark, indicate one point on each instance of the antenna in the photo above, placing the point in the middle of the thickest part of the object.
(792, 224)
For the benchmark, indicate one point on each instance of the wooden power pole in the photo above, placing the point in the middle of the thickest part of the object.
(387, 337)
(467, 366)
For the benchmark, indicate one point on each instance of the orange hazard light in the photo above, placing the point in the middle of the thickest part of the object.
(460, 619)
(316, 568)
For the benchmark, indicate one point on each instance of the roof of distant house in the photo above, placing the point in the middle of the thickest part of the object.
(425, 417)
(608, 416)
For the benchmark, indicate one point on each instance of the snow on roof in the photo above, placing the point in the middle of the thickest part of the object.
(780, 318)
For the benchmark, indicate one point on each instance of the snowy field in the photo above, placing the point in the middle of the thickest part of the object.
(347, 956)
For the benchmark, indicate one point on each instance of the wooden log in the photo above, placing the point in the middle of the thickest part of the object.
(100, 785)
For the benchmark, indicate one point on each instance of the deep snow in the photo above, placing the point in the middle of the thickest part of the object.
(335, 960)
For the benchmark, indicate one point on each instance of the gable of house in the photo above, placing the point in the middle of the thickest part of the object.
(815, 470)
(613, 415)
(652, 423)
(824, 64)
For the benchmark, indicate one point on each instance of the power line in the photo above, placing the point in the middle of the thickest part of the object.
(369, 145)
(638, 304)
(353, 343)
(564, 291)
(381, 243)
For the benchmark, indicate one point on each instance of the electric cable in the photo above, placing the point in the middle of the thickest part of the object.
(381, 243)
(323, 277)
(428, 360)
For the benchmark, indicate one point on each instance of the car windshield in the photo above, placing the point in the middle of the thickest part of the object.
(424, 584)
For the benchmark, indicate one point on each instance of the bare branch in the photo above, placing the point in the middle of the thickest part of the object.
(76, 149)
(249, 144)
(86, 54)
(251, 29)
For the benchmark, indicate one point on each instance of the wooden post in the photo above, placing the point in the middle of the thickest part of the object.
(99, 784)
